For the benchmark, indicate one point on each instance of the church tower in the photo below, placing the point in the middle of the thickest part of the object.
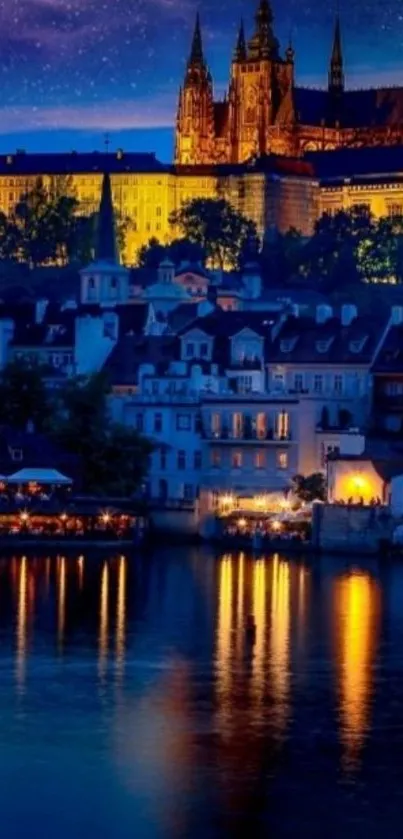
(336, 70)
(261, 112)
(195, 119)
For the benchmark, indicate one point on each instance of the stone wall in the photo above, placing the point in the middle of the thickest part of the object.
(351, 529)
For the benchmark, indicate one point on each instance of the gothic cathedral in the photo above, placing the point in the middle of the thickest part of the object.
(265, 112)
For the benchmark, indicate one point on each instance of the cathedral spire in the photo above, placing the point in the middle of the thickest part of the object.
(240, 49)
(106, 250)
(336, 71)
(196, 52)
(264, 44)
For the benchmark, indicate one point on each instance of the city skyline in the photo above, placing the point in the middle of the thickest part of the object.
(72, 70)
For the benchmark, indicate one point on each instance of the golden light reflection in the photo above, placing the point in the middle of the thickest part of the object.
(259, 613)
(280, 643)
(61, 607)
(80, 565)
(104, 621)
(224, 628)
(356, 627)
(22, 621)
(121, 618)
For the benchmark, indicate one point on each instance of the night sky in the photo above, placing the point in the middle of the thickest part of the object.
(72, 70)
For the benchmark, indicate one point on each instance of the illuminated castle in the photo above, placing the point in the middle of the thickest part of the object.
(264, 111)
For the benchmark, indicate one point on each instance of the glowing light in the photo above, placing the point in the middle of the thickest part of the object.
(106, 517)
(359, 482)
(276, 525)
(24, 516)
(242, 522)
(63, 516)
(103, 621)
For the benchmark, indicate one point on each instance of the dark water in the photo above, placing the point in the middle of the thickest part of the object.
(132, 705)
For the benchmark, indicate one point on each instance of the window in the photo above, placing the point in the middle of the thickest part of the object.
(260, 460)
(16, 454)
(298, 382)
(338, 383)
(261, 430)
(283, 425)
(394, 210)
(245, 384)
(157, 422)
(181, 459)
(237, 425)
(188, 492)
(282, 460)
(326, 450)
(155, 388)
(139, 423)
(318, 383)
(278, 381)
(190, 350)
(216, 425)
(215, 459)
(158, 212)
(203, 350)
(197, 459)
(236, 460)
(183, 422)
(163, 459)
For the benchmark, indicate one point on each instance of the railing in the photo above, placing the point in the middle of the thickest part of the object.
(245, 436)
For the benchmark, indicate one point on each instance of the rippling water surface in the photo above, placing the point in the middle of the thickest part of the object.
(133, 705)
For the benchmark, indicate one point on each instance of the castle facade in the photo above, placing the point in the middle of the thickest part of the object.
(265, 111)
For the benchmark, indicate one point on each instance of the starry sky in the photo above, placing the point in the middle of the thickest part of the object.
(72, 70)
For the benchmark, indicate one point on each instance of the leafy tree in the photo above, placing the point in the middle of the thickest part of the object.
(23, 396)
(114, 458)
(214, 225)
(309, 488)
(281, 256)
(151, 255)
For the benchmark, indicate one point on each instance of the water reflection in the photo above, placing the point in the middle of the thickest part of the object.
(22, 620)
(103, 622)
(121, 619)
(61, 608)
(356, 628)
(280, 642)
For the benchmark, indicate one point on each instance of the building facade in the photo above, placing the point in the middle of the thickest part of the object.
(264, 110)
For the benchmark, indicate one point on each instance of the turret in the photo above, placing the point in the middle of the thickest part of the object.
(336, 72)
(195, 119)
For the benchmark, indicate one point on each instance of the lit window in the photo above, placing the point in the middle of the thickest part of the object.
(260, 460)
(237, 425)
(216, 425)
(236, 460)
(283, 425)
(282, 460)
(215, 459)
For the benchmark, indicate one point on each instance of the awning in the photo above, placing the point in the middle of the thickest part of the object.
(39, 476)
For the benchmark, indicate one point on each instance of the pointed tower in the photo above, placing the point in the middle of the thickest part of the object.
(106, 248)
(105, 282)
(336, 71)
(264, 44)
(195, 119)
(240, 53)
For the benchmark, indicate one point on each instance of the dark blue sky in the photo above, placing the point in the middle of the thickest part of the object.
(73, 69)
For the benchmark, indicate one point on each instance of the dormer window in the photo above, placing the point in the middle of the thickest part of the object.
(190, 350)
(324, 346)
(16, 454)
(288, 344)
(358, 345)
(203, 350)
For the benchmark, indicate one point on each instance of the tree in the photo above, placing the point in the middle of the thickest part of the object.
(113, 458)
(40, 226)
(151, 255)
(23, 396)
(214, 225)
(309, 488)
(281, 256)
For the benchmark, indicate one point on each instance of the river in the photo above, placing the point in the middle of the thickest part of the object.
(133, 705)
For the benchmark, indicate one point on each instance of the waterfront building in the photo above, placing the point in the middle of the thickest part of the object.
(265, 111)
(387, 376)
